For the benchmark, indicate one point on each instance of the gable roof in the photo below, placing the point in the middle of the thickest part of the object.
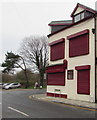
(82, 20)
(83, 7)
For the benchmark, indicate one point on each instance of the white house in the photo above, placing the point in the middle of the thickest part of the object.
(72, 60)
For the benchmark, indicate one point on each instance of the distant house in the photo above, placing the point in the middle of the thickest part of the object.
(72, 60)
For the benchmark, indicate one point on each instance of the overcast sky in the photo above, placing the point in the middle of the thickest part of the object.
(22, 18)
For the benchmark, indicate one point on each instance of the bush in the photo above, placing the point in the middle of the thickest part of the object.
(6, 78)
(19, 77)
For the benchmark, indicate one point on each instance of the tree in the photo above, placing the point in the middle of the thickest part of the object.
(15, 61)
(32, 77)
(7, 78)
(35, 51)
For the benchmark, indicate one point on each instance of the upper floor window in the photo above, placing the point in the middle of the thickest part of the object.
(79, 43)
(79, 17)
(57, 50)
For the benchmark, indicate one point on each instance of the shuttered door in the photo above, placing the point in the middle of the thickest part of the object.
(83, 81)
(56, 78)
(57, 51)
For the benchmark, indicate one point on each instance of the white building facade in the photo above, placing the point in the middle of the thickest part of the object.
(71, 72)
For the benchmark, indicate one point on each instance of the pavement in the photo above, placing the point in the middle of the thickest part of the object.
(70, 102)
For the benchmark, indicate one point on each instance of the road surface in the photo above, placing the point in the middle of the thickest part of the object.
(16, 104)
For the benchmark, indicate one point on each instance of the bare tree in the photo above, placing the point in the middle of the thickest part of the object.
(34, 50)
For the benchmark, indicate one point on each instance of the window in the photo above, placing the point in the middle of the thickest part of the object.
(56, 75)
(70, 74)
(83, 79)
(79, 44)
(57, 50)
(56, 78)
(15, 83)
(79, 17)
(82, 15)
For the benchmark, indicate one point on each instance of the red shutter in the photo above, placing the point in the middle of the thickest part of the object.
(85, 67)
(79, 45)
(57, 95)
(83, 82)
(56, 78)
(57, 51)
(56, 68)
(56, 74)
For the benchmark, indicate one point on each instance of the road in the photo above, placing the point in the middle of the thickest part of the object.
(16, 104)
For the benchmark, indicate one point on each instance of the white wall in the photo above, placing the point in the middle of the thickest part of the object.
(70, 87)
(78, 10)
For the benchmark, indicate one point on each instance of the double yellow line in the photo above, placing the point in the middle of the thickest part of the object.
(80, 107)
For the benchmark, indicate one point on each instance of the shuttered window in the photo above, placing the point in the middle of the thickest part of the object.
(56, 75)
(57, 50)
(56, 78)
(79, 44)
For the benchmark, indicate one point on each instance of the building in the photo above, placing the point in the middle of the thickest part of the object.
(72, 60)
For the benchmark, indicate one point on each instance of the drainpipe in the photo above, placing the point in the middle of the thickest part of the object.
(95, 52)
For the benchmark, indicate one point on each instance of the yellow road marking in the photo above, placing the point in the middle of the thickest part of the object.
(91, 109)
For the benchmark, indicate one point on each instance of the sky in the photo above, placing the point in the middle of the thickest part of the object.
(23, 18)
